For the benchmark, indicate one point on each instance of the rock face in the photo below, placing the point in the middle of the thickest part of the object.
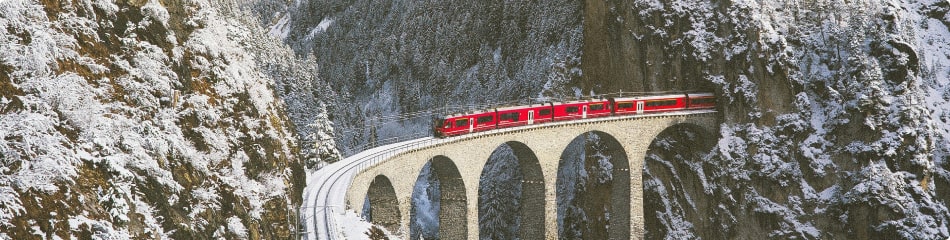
(626, 49)
(831, 117)
(142, 119)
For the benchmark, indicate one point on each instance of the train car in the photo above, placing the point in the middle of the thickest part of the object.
(459, 124)
(454, 125)
(524, 115)
(648, 104)
(581, 109)
(701, 100)
(664, 103)
(624, 106)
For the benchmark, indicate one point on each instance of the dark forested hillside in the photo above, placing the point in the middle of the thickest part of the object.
(401, 57)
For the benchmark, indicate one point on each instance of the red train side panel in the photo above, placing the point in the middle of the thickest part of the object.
(567, 111)
(523, 115)
(599, 108)
(664, 103)
(623, 106)
(581, 109)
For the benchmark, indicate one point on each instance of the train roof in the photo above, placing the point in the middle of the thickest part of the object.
(581, 101)
(523, 107)
(479, 112)
(701, 95)
(647, 97)
(650, 97)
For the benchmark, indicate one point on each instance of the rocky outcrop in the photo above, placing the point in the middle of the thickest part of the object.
(141, 119)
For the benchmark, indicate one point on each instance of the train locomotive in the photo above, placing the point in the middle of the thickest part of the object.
(460, 124)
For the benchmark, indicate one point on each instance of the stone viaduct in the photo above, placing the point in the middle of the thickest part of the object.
(458, 165)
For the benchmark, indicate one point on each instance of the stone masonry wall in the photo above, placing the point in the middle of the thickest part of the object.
(470, 153)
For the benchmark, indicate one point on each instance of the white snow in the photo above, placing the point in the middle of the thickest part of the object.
(321, 27)
(121, 117)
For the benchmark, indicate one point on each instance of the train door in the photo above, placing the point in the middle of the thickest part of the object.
(530, 117)
(471, 124)
(584, 113)
(640, 107)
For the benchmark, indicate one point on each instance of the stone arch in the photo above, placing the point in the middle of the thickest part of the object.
(383, 204)
(703, 134)
(530, 203)
(672, 183)
(603, 197)
(452, 205)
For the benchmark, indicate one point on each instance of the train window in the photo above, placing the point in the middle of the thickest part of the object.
(571, 109)
(625, 105)
(484, 119)
(544, 112)
(461, 122)
(703, 100)
(448, 124)
(661, 103)
(595, 107)
(508, 117)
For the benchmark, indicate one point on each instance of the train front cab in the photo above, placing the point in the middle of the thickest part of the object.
(463, 124)
(437, 125)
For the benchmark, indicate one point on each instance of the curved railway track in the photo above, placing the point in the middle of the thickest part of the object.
(327, 229)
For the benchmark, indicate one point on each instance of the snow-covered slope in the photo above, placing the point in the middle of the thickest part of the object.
(143, 119)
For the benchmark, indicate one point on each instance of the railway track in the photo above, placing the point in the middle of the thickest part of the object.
(334, 174)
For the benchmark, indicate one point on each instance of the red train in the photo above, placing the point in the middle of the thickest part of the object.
(458, 124)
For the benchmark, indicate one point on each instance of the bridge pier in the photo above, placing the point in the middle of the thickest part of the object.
(384, 207)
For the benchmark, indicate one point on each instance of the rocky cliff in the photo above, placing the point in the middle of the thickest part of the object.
(144, 119)
(834, 118)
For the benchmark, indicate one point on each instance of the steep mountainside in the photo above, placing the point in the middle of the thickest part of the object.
(834, 119)
(146, 119)
(402, 57)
